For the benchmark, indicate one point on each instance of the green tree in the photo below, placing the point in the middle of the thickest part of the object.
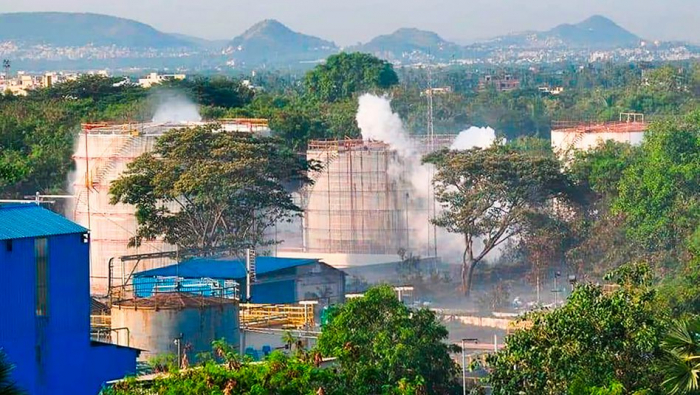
(596, 339)
(682, 365)
(380, 343)
(599, 236)
(278, 374)
(659, 194)
(7, 386)
(217, 91)
(343, 75)
(490, 195)
(202, 189)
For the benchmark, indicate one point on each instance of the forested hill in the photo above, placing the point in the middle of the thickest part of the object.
(271, 42)
(63, 29)
(407, 43)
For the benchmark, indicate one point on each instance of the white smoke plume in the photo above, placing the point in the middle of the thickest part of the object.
(474, 137)
(175, 107)
(377, 121)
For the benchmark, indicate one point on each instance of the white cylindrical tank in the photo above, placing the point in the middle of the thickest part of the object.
(358, 204)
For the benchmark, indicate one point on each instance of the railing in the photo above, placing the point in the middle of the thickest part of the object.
(346, 144)
(593, 126)
(285, 316)
(105, 334)
(174, 292)
(100, 321)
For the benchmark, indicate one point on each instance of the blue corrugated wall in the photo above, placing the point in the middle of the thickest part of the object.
(53, 354)
(275, 292)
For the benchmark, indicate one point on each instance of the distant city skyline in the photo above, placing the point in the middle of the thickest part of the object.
(347, 22)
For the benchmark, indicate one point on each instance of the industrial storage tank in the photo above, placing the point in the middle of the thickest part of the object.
(102, 153)
(359, 203)
(175, 316)
(568, 136)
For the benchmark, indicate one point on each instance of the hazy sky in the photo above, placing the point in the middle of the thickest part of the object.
(351, 21)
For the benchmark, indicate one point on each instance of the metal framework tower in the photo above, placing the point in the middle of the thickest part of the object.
(6, 67)
(432, 209)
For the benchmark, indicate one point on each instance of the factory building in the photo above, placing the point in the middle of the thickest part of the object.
(567, 137)
(45, 306)
(102, 153)
(277, 280)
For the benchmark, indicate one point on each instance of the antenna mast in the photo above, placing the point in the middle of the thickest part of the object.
(432, 209)
(431, 131)
(6, 67)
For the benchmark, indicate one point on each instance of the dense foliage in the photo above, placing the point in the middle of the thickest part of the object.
(204, 190)
(595, 339)
(345, 75)
(7, 385)
(380, 343)
(278, 374)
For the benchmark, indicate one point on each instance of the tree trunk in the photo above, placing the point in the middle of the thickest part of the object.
(470, 274)
(467, 276)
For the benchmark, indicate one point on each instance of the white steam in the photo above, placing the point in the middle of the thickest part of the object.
(176, 108)
(378, 122)
(474, 137)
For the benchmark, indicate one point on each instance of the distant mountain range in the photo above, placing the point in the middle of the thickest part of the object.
(596, 32)
(105, 41)
(62, 29)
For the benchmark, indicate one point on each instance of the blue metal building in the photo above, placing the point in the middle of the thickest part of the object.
(45, 306)
(278, 280)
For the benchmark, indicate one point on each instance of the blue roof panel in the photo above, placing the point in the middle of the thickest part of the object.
(29, 220)
(224, 268)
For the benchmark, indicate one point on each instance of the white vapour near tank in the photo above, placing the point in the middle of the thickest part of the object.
(174, 107)
(371, 197)
(474, 137)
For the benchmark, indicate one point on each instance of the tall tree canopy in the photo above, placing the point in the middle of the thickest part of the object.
(345, 74)
(660, 192)
(490, 195)
(381, 343)
(203, 189)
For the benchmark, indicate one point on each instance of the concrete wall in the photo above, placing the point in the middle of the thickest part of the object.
(155, 331)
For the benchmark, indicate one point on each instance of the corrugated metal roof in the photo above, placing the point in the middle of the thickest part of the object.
(225, 268)
(29, 220)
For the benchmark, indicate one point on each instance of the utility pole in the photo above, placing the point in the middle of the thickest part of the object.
(556, 288)
(464, 364)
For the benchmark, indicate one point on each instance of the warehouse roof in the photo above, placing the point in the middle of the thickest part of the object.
(224, 268)
(29, 220)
